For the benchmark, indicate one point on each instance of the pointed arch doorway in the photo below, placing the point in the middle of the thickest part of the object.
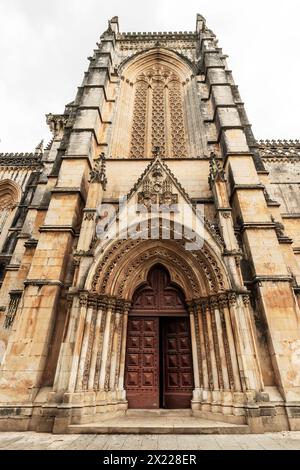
(159, 368)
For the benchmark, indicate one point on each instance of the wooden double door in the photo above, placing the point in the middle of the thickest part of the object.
(159, 369)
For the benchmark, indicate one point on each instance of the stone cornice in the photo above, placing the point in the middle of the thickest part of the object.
(265, 278)
(150, 36)
(57, 228)
(257, 225)
(279, 149)
(30, 160)
(42, 282)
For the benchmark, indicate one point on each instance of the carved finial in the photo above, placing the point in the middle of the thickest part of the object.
(216, 172)
(200, 23)
(156, 152)
(98, 173)
(39, 149)
(113, 26)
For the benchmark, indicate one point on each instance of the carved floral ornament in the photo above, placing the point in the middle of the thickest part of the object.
(124, 266)
(157, 189)
(98, 173)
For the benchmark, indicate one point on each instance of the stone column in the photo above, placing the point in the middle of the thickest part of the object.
(107, 343)
(97, 345)
(219, 346)
(77, 337)
(203, 348)
(87, 346)
(250, 374)
(115, 349)
(212, 351)
(123, 351)
(229, 345)
(196, 353)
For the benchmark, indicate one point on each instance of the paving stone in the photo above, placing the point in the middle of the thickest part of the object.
(7, 441)
(168, 443)
(98, 443)
(190, 442)
(81, 443)
(31, 440)
(133, 442)
(115, 442)
(150, 442)
(208, 443)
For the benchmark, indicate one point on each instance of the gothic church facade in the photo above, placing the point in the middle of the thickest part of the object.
(93, 326)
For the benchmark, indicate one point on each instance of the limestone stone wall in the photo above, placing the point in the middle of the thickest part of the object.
(65, 294)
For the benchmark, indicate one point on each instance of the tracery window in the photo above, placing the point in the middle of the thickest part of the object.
(12, 309)
(9, 195)
(6, 205)
(9, 199)
(158, 119)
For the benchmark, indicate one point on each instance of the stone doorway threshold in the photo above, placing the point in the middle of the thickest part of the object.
(158, 422)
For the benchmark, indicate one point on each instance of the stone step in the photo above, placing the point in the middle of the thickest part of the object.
(159, 412)
(158, 425)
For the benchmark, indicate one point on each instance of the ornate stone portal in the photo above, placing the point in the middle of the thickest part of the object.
(95, 314)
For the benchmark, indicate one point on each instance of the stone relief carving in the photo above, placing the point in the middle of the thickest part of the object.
(98, 173)
(158, 101)
(157, 189)
(139, 120)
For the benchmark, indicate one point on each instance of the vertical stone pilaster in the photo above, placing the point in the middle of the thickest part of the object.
(95, 348)
(204, 311)
(229, 346)
(107, 342)
(216, 341)
(195, 353)
(115, 348)
(223, 362)
(79, 334)
(250, 374)
(204, 365)
(90, 344)
(123, 349)
(102, 306)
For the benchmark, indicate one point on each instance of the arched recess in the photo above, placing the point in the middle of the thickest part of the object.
(10, 196)
(159, 365)
(123, 266)
(96, 328)
(157, 105)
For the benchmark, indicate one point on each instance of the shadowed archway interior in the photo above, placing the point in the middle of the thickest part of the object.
(159, 369)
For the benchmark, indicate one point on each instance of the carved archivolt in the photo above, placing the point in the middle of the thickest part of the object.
(125, 265)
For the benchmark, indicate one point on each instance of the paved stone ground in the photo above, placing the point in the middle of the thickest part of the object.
(35, 441)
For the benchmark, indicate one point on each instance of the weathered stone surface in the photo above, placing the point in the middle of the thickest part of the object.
(157, 118)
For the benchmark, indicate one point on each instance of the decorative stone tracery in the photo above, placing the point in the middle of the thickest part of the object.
(9, 198)
(159, 103)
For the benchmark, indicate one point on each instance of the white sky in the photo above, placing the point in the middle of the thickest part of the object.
(44, 45)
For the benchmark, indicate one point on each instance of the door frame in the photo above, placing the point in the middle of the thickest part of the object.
(161, 362)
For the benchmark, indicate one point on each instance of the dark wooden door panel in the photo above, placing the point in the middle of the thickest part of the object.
(158, 319)
(177, 363)
(142, 363)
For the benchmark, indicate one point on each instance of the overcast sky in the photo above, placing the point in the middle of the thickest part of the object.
(44, 45)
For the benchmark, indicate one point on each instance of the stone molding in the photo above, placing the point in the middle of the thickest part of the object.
(27, 160)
